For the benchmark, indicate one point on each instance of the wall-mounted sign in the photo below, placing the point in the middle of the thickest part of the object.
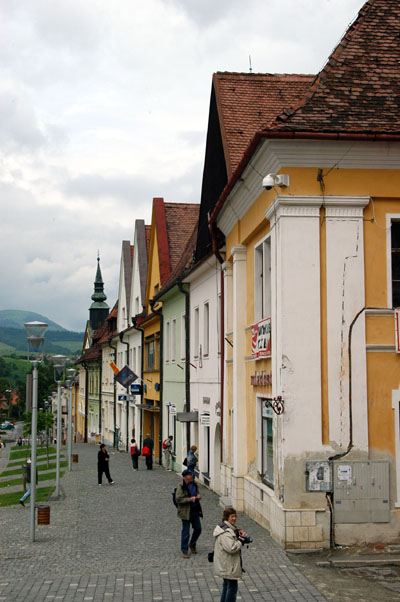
(261, 339)
(205, 419)
(172, 409)
(137, 389)
(397, 328)
(261, 379)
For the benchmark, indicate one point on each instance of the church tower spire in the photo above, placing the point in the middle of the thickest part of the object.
(99, 309)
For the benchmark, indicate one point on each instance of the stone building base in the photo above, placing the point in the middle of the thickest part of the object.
(292, 528)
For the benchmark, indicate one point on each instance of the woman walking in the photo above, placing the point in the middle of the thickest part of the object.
(103, 465)
(135, 453)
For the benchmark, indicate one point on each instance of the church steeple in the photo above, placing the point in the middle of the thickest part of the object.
(99, 309)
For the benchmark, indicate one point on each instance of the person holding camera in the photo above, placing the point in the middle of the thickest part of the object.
(227, 554)
(189, 511)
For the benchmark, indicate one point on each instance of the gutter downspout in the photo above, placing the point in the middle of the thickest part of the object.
(141, 330)
(187, 357)
(85, 434)
(211, 227)
(158, 312)
(100, 394)
(115, 395)
(121, 336)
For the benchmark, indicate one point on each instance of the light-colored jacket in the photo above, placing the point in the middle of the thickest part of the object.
(227, 552)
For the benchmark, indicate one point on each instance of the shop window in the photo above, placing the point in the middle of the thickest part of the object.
(267, 445)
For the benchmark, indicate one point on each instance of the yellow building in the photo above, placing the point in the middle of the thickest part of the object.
(311, 276)
(171, 226)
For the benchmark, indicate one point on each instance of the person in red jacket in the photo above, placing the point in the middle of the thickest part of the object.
(135, 453)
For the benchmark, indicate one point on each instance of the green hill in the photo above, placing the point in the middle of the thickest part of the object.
(15, 318)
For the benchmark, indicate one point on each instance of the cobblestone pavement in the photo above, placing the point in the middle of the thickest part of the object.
(122, 542)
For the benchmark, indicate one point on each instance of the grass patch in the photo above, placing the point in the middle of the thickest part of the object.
(39, 461)
(9, 499)
(49, 476)
(40, 467)
(14, 455)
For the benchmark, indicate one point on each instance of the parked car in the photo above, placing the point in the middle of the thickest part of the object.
(6, 426)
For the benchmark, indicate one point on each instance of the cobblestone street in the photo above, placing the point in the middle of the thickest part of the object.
(122, 542)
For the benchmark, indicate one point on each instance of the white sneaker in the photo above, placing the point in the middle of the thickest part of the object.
(112, 482)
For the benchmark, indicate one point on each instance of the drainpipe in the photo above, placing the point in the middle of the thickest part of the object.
(141, 330)
(100, 393)
(115, 395)
(211, 227)
(121, 336)
(158, 312)
(187, 357)
(85, 435)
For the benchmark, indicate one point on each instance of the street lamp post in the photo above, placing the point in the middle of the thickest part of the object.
(35, 332)
(59, 377)
(71, 375)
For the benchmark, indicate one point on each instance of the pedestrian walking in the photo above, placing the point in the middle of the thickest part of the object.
(135, 453)
(190, 512)
(19, 442)
(149, 443)
(28, 482)
(227, 554)
(191, 459)
(103, 465)
(167, 447)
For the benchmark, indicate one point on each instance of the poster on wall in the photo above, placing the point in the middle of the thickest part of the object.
(261, 339)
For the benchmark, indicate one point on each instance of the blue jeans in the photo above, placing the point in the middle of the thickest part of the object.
(26, 495)
(194, 520)
(229, 590)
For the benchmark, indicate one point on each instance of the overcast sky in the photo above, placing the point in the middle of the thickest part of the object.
(103, 106)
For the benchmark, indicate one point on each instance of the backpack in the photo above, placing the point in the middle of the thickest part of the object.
(164, 446)
(174, 497)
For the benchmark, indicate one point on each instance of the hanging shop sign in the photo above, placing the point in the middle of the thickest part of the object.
(205, 419)
(261, 379)
(261, 339)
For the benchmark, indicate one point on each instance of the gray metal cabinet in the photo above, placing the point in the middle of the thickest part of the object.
(361, 492)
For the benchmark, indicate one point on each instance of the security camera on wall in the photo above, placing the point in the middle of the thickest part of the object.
(272, 180)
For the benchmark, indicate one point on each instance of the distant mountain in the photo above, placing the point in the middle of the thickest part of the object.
(16, 318)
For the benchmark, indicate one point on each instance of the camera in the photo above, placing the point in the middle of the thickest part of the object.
(246, 540)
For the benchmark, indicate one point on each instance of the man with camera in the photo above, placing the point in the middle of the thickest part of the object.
(227, 550)
(189, 511)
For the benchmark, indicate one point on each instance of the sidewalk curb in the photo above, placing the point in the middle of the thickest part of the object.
(355, 563)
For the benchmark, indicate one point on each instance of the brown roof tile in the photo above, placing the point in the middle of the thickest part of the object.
(181, 219)
(358, 90)
(248, 102)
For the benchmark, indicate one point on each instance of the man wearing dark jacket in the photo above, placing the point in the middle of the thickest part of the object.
(148, 442)
(189, 511)
(103, 465)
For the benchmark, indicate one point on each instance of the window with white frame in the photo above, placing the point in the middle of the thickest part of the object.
(167, 341)
(183, 337)
(173, 340)
(196, 332)
(395, 261)
(267, 445)
(206, 329)
(219, 323)
(262, 280)
(137, 309)
(134, 366)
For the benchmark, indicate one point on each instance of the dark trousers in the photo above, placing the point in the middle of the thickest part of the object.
(229, 590)
(106, 470)
(194, 520)
(149, 461)
(135, 458)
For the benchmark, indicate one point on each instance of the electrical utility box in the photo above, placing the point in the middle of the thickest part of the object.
(361, 492)
(318, 476)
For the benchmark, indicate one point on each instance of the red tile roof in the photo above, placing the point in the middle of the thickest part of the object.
(248, 102)
(185, 261)
(181, 219)
(358, 90)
